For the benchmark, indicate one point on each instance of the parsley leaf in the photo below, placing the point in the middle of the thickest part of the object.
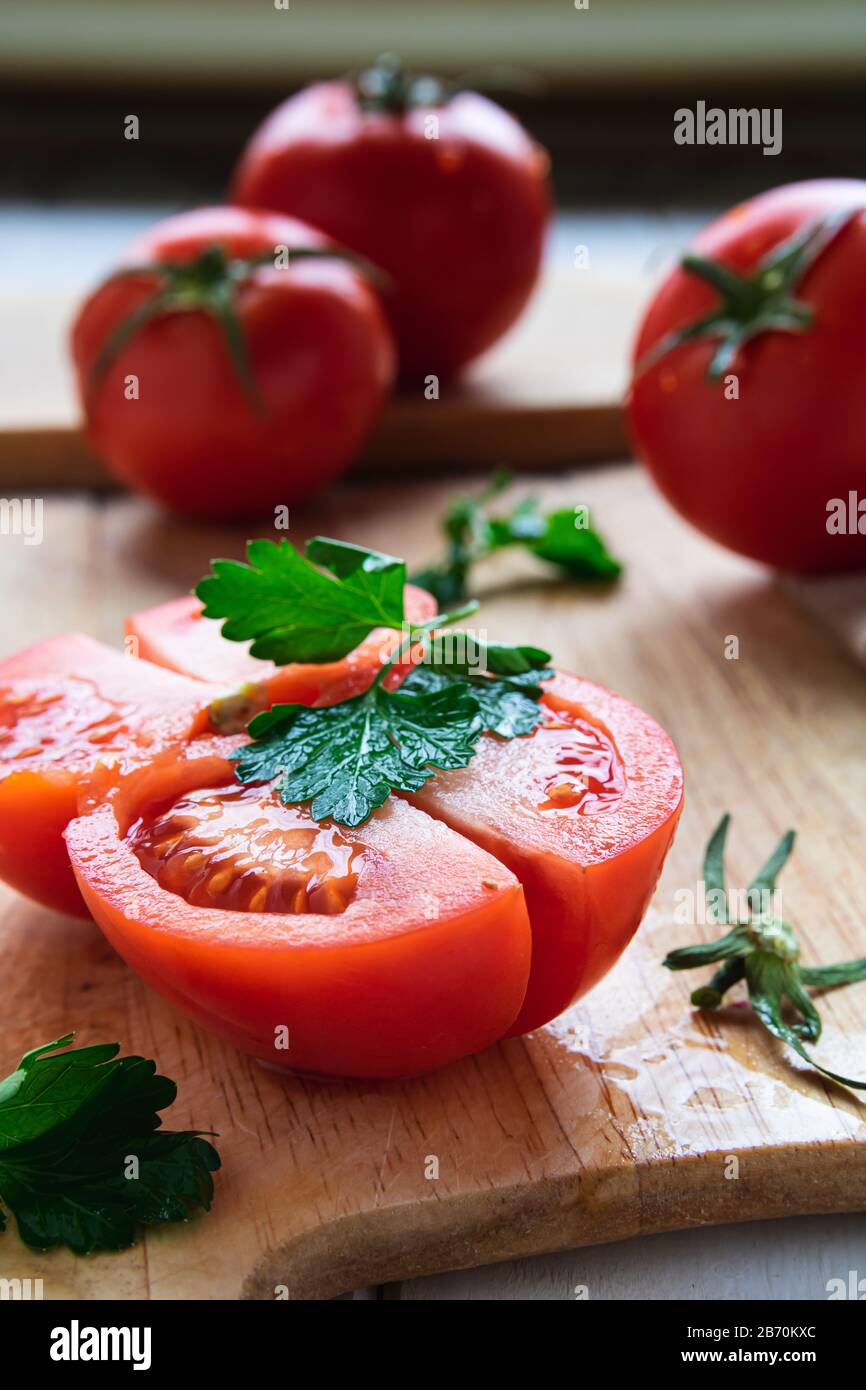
(292, 611)
(563, 538)
(578, 550)
(462, 653)
(82, 1159)
(348, 758)
(506, 706)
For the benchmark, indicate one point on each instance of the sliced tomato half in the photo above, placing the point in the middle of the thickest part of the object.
(583, 811)
(377, 952)
(175, 635)
(68, 705)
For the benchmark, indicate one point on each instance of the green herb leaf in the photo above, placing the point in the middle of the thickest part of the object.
(346, 759)
(292, 611)
(577, 549)
(80, 1161)
(764, 950)
(462, 653)
(562, 538)
(505, 706)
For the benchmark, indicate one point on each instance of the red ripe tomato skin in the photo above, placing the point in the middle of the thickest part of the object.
(757, 473)
(320, 351)
(457, 222)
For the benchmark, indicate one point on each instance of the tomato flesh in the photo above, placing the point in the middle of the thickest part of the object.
(583, 812)
(241, 849)
(425, 961)
(68, 705)
(175, 635)
(757, 471)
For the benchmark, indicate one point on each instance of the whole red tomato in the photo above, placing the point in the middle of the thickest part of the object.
(447, 194)
(748, 403)
(225, 382)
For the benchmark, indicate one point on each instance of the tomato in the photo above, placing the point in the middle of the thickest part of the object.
(446, 194)
(66, 706)
(175, 635)
(228, 419)
(478, 908)
(383, 951)
(764, 457)
(583, 811)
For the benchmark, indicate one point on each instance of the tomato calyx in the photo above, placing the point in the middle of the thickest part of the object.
(387, 88)
(761, 302)
(209, 283)
(762, 949)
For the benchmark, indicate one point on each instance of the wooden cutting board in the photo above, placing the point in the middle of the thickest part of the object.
(619, 1118)
(548, 396)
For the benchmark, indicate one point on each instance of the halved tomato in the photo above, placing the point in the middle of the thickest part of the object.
(377, 952)
(67, 705)
(175, 635)
(583, 811)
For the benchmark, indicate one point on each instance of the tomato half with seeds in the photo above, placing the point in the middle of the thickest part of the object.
(382, 951)
(583, 812)
(175, 635)
(68, 705)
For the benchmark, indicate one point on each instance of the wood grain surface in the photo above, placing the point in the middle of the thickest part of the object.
(548, 396)
(617, 1119)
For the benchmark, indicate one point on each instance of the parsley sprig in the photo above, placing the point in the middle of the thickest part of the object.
(346, 759)
(559, 537)
(83, 1162)
(292, 611)
(762, 949)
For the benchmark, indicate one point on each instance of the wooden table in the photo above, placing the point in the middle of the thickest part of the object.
(775, 736)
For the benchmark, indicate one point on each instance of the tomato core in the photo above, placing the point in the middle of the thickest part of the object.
(240, 849)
